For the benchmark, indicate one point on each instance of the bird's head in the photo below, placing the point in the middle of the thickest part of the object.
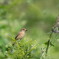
(23, 29)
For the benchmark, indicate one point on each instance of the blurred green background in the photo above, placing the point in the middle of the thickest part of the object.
(38, 16)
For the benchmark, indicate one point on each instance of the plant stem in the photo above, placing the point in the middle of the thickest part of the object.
(49, 42)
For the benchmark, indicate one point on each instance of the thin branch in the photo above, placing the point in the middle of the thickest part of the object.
(49, 42)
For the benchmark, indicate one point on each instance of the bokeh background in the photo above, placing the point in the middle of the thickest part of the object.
(38, 16)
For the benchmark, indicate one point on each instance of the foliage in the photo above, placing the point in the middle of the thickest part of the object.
(38, 16)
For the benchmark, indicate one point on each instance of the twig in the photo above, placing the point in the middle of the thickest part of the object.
(49, 42)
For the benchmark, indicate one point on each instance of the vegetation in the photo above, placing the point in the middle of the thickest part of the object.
(38, 16)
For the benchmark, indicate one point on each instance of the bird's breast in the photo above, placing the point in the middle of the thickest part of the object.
(22, 34)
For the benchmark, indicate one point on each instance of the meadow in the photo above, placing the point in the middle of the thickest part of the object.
(38, 17)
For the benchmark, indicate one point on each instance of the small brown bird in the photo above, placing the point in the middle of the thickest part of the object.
(21, 34)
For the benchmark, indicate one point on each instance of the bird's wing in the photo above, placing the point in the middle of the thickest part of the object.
(17, 35)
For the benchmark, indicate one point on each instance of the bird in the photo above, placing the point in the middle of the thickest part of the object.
(21, 34)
